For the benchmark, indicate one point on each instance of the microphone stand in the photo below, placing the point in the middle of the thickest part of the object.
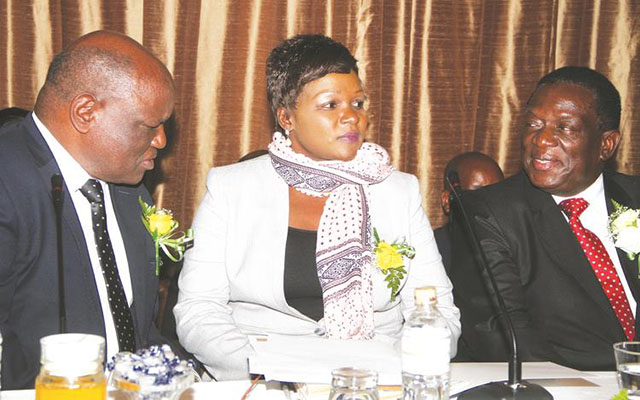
(514, 388)
(57, 196)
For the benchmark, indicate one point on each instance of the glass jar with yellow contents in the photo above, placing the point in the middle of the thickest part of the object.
(72, 368)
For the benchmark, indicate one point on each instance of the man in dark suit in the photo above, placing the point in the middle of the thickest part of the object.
(473, 170)
(99, 122)
(570, 292)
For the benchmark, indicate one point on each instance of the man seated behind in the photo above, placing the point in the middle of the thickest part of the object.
(474, 170)
(98, 121)
(568, 305)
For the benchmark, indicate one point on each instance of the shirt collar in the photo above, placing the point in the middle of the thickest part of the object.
(74, 175)
(590, 194)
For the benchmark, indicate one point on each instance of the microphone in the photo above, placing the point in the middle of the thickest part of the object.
(453, 180)
(514, 388)
(57, 192)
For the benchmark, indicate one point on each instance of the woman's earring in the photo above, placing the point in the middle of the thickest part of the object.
(287, 140)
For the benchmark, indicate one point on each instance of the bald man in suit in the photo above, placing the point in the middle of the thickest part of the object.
(99, 123)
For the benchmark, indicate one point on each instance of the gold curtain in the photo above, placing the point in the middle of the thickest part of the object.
(443, 76)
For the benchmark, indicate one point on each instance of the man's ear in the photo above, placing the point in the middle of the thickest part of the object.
(284, 118)
(444, 202)
(608, 144)
(82, 110)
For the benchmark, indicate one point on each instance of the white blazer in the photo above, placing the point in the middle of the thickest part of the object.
(231, 283)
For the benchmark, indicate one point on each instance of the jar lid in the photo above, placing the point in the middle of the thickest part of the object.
(72, 354)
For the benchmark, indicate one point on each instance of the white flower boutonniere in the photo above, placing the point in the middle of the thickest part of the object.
(163, 230)
(625, 230)
(389, 258)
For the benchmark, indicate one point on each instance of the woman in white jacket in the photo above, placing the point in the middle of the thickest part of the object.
(284, 242)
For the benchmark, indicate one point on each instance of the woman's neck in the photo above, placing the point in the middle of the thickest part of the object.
(305, 211)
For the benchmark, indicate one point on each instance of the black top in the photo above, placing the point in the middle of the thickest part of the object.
(301, 284)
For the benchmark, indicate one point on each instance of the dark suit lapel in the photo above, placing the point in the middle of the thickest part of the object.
(563, 247)
(48, 167)
(138, 245)
(614, 191)
(75, 268)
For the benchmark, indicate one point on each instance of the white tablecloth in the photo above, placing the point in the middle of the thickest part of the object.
(585, 386)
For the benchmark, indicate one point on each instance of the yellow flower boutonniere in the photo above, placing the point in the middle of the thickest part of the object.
(163, 230)
(390, 260)
(622, 395)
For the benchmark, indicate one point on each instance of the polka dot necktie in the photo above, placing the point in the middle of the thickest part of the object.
(601, 264)
(117, 299)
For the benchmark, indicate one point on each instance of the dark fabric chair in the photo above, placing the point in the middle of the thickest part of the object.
(12, 115)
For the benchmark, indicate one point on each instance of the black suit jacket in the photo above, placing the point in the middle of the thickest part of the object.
(559, 309)
(469, 293)
(443, 240)
(28, 258)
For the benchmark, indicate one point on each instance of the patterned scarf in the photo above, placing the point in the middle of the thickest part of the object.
(344, 248)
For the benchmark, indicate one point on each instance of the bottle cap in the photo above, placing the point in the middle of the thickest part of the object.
(72, 354)
(425, 295)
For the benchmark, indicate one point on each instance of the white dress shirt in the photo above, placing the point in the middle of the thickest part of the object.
(74, 177)
(596, 219)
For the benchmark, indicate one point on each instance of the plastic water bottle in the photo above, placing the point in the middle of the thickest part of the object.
(425, 350)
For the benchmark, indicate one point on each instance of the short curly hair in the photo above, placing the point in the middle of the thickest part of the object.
(300, 60)
(605, 95)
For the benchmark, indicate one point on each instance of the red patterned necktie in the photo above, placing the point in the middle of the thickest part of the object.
(601, 263)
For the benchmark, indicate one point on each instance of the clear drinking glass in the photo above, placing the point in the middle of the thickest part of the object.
(628, 367)
(354, 384)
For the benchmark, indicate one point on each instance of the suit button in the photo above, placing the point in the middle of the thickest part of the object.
(319, 331)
